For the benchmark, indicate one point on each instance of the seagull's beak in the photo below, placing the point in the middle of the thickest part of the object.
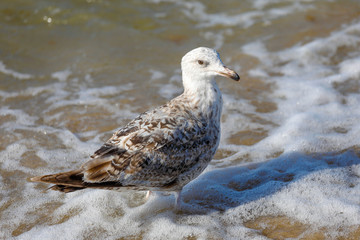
(229, 73)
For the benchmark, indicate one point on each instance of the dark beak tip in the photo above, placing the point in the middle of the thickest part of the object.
(236, 77)
(229, 73)
(232, 74)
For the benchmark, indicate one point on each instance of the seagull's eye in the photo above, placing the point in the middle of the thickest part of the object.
(201, 62)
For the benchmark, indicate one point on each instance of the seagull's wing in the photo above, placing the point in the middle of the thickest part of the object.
(151, 150)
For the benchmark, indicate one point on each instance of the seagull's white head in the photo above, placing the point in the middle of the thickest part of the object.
(202, 65)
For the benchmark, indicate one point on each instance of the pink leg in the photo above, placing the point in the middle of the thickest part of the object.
(147, 195)
(178, 200)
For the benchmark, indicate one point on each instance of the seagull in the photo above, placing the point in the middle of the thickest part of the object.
(162, 149)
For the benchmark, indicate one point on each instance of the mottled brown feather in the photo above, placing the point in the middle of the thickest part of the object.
(71, 178)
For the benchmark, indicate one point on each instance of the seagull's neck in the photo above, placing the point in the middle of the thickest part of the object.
(205, 95)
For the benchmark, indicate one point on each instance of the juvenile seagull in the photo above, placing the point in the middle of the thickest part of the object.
(162, 149)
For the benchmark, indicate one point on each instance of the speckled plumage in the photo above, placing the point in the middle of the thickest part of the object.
(164, 148)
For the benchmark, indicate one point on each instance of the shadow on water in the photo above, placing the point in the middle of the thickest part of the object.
(222, 189)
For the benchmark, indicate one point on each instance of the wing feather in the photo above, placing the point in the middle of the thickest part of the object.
(150, 150)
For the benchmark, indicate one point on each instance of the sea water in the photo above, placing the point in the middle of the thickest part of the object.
(288, 165)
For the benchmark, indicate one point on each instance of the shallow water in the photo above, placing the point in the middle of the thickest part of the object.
(288, 165)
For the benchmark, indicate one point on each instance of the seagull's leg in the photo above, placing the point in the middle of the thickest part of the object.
(147, 195)
(178, 199)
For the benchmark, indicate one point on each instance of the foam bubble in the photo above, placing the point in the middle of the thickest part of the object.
(351, 67)
(156, 74)
(21, 117)
(15, 74)
(62, 75)
(169, 90)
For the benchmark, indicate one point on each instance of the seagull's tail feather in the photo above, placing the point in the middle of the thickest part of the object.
(72, 181)
(64, 182)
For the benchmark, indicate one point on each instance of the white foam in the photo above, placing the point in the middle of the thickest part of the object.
(169, 90)
(351, 67)
(309, 108)
(197, 11)
(156, 74)
(21, 117)
(62, 75)
(217, 37)
(15, 74)
(314, 117)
